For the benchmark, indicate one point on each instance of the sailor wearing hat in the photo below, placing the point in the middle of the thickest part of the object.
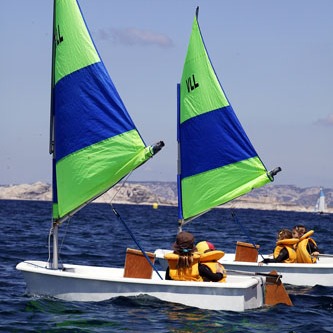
(209, 267)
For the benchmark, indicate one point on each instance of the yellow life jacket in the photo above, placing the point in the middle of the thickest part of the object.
(210, 260)
(307, 235)
(187, 274)
(303, 255)
(289, 245)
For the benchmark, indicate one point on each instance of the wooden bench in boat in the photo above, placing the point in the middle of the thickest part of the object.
(246, 252)
(137, 266)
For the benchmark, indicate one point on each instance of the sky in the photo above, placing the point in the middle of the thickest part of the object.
(274, 60)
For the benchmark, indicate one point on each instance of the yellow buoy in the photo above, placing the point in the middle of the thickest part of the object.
(155, 205)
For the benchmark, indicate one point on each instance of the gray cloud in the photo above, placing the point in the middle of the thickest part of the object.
(134, 36)
(328, 121)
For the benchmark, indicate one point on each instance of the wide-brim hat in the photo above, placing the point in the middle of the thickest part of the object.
(184, 241)
(204, 247)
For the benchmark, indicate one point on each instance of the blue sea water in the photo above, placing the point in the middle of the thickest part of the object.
(96, 237)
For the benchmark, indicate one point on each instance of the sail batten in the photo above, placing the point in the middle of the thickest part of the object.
(217, 161)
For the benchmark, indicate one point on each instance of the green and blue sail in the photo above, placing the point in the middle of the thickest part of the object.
(94, 141)
(217, 161)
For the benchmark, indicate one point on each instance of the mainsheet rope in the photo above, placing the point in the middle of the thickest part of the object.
(130, 232)
(246, 232)
(135, 240)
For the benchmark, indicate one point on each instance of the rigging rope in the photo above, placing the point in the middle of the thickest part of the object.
(247, 234)
(49, 242)
(136, 242)
(129, 230)
(62, 242)
(63, 239)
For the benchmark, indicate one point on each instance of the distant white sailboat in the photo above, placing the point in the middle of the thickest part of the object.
(320, 206)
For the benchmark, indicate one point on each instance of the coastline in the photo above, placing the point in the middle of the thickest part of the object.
(272, 197)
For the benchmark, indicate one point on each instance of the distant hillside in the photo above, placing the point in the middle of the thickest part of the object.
(270, 197)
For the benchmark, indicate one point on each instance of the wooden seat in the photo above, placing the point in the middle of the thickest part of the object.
(246, 252)
(137, 266)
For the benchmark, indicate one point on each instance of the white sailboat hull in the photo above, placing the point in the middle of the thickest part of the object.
(320, 273)
(90, 283)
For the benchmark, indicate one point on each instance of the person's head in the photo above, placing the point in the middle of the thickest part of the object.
(284, 234)
(298, 231)
(184, 247)
(184, 243)
(204, 247)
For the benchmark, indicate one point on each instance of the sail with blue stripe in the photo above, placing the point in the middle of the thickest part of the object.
(217, 161)
(94, 141)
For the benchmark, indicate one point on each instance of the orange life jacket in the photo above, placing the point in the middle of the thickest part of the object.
(289, 245)
(303, 255)
(210, 260)
(186, 274)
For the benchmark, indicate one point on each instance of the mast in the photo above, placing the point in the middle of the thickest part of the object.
(51, 142)
(179, 192)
